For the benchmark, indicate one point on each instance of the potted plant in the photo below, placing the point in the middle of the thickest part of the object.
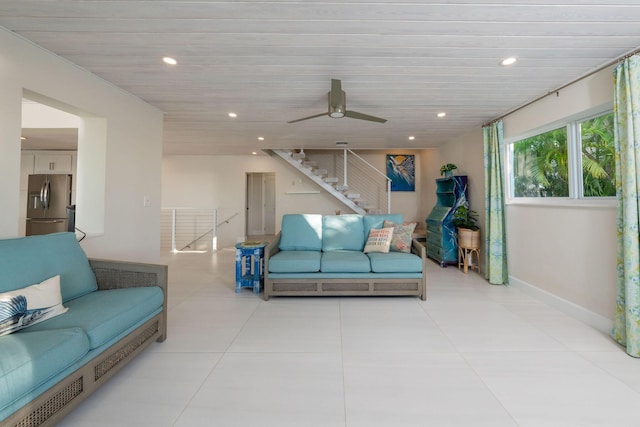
(447, 170)
(466, 221)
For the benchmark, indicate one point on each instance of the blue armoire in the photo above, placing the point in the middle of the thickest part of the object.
(442, 244)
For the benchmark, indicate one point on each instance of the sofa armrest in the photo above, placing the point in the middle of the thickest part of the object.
(270, 250)
(112, 274)
(419, 249)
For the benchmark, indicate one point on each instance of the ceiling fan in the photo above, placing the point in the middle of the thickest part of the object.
(338, 106)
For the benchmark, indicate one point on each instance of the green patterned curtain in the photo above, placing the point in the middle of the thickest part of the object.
(495, 231)
(626, 107)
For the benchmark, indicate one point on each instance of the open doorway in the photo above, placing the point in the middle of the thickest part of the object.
(261, 204)
(45, 123)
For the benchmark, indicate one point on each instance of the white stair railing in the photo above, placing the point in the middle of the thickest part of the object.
(364, 188)
(368, 180)
(185, 230)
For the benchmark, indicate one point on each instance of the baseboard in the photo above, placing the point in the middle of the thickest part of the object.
(574, 310)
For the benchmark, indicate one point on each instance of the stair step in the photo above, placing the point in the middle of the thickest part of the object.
(342, 187)
(298, 156)
(353, 196)
(321, 172)
(310, 163)
(331, 179)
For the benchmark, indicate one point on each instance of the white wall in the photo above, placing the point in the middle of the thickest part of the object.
(131, 150)
(207, 182)
(569, 251)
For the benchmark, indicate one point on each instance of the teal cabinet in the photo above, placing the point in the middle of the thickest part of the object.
(442, 244)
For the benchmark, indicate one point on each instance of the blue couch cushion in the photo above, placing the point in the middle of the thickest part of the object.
(29, 359)
(105, 314)
(395, 262)
(344, 262)
(342, 232)
(301, 232)
(295, 262)
(376, 221)
(58, 253)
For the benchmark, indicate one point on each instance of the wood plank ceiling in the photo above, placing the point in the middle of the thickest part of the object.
(271, 62)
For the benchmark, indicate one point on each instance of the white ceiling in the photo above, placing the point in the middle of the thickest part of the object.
(272, 61)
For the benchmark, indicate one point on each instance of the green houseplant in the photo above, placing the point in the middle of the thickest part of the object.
(447, 170)
(466, 221)
(466, 218)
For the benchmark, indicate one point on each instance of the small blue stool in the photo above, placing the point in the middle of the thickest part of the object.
(253, 254)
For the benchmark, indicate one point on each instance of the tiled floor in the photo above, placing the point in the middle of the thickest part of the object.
(471, 355)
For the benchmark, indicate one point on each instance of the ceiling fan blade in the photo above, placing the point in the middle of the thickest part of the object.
(310, 117)
(356, 115)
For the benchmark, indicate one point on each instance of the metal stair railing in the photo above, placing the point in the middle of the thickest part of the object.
(361, 180)
(366, 180)
(318, 176)
(178, 225)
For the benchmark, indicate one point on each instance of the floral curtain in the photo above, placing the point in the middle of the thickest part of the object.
(626, 105)
(495, 231)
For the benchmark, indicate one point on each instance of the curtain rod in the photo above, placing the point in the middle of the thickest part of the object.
(584, 76)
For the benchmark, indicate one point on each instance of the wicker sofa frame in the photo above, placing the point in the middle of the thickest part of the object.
(51, 406)
(381, 286)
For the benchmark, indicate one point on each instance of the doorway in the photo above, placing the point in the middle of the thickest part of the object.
(261, 204)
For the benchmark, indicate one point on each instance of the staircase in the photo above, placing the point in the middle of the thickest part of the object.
(330, 184)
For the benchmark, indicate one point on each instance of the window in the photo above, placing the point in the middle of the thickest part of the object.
(598, 157)
(540, 165)
(548, 164)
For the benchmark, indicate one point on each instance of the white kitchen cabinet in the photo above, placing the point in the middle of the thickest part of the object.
(53, 163)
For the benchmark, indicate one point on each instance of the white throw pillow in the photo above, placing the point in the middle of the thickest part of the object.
(27, 306)
(379, 240)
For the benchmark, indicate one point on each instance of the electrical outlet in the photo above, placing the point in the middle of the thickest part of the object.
(146, 201)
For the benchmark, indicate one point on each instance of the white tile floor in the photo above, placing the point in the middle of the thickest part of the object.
(473, 354)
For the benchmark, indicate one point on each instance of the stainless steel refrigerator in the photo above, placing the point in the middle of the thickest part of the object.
(47, 201)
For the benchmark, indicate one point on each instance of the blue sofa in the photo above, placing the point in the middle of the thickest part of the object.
(114, 311)
(323, 255)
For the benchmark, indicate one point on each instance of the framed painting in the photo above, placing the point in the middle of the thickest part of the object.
(401, 171)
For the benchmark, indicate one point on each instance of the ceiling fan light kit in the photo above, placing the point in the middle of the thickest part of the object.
(338, 106)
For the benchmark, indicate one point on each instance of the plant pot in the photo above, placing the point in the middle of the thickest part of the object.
(468, 238)
(448, 174)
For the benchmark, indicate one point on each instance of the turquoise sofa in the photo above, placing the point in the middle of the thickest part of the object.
(114, 311)
(323, 255)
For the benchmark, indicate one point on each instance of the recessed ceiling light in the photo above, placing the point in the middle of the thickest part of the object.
(254, 153)
(233, 115)
(23, 138)
(169, 60)
(509, 61)
(261, 138)
(441, 114)
(411, 138)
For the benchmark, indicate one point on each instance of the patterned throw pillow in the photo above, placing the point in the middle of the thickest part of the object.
(27, 306)
(379, 240)
(402, 235)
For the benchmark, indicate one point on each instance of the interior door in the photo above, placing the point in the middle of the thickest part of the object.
(261, 201)
(254, 205)
(270, 203)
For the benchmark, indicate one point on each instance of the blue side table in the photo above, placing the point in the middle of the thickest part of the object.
(252, 277)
